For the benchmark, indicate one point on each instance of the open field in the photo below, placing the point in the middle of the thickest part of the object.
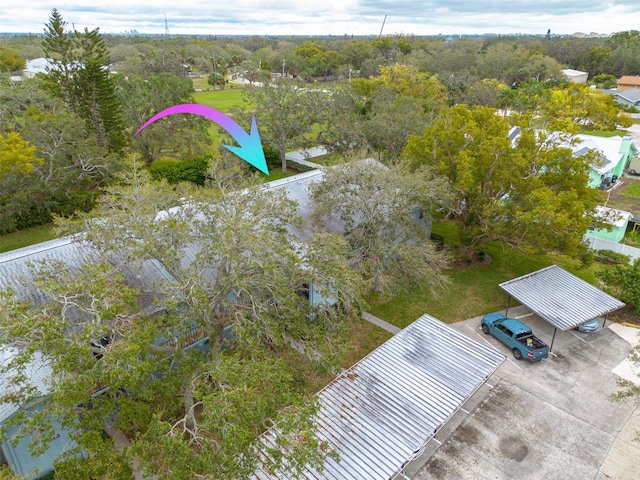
(222, 100)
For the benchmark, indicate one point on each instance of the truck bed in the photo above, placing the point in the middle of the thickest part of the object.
(530, 342)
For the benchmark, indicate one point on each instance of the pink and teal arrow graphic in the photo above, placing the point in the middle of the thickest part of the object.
(250, 149)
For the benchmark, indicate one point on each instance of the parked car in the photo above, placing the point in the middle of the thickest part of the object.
(590, 326)
(633, 172)
(515, 335)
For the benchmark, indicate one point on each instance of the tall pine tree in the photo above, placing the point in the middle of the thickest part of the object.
(80, 76)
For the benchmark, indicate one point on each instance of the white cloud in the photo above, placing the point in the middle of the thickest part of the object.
(336, 17)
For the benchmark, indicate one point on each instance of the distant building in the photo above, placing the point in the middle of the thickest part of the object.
(628, 81)
(36, 66)
(629, 97)
(575, 76)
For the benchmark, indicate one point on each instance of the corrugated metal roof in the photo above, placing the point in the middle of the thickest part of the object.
(16, 266)
(37, 375)
(379, 413)
(561, 298)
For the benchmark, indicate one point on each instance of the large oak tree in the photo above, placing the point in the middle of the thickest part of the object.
(169, 412)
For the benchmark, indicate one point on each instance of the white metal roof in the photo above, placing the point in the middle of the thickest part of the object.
(569, 72)
(381, 412)
(612, 216)
(610, 147)
(37, 375)
(16, 266)
(561, 298)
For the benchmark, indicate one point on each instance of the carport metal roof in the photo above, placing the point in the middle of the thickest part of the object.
(381, 412)
(561, 298)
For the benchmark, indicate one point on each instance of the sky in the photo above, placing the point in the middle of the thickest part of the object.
(327, 17)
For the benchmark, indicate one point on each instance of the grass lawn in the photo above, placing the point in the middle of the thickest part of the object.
(472, 290)
(605, 133)
(222, 100)
(24, 238)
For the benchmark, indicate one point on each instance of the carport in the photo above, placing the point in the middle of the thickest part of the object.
(380, 414)
(560, 298)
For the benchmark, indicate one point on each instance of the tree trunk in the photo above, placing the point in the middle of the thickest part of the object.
(283, 159)
(189, 410)
(121, 442)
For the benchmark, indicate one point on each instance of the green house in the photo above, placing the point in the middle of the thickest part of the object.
(616, 153)
(617, 219)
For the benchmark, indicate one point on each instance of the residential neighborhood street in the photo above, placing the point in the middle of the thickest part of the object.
(545, 420)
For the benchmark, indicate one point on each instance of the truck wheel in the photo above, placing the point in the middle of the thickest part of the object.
(485, 328)
(517, 354)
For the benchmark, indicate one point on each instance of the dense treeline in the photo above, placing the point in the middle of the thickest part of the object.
(617, 55)
(74, 126)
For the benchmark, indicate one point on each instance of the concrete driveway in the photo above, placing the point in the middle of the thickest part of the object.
(548, 420)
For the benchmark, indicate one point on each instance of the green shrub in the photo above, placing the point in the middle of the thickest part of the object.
(613, 257)
(66, 204)
(192, 170)
(32, 208)
(272, 156)
(164, 168)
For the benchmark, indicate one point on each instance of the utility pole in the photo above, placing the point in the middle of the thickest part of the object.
(166, 26)
(385, 19)
(284, 62)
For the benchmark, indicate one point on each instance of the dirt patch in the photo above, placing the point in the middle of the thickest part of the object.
(616, 198)
(625, 315)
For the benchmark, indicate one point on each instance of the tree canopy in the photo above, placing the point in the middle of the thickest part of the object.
(285, 113)
(386, 216)
(532, 193)
(230, 261)
(80, 76)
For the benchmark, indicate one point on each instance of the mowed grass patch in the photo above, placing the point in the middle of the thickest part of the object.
(365, 337)
(26, 237)
(222, 100)
(633, 190)
(471, 290)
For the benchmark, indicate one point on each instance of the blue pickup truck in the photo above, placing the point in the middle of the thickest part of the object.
(515, 335)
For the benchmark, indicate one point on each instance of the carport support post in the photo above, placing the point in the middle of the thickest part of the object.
(604, 320)
(552, 339)
(506, 312)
